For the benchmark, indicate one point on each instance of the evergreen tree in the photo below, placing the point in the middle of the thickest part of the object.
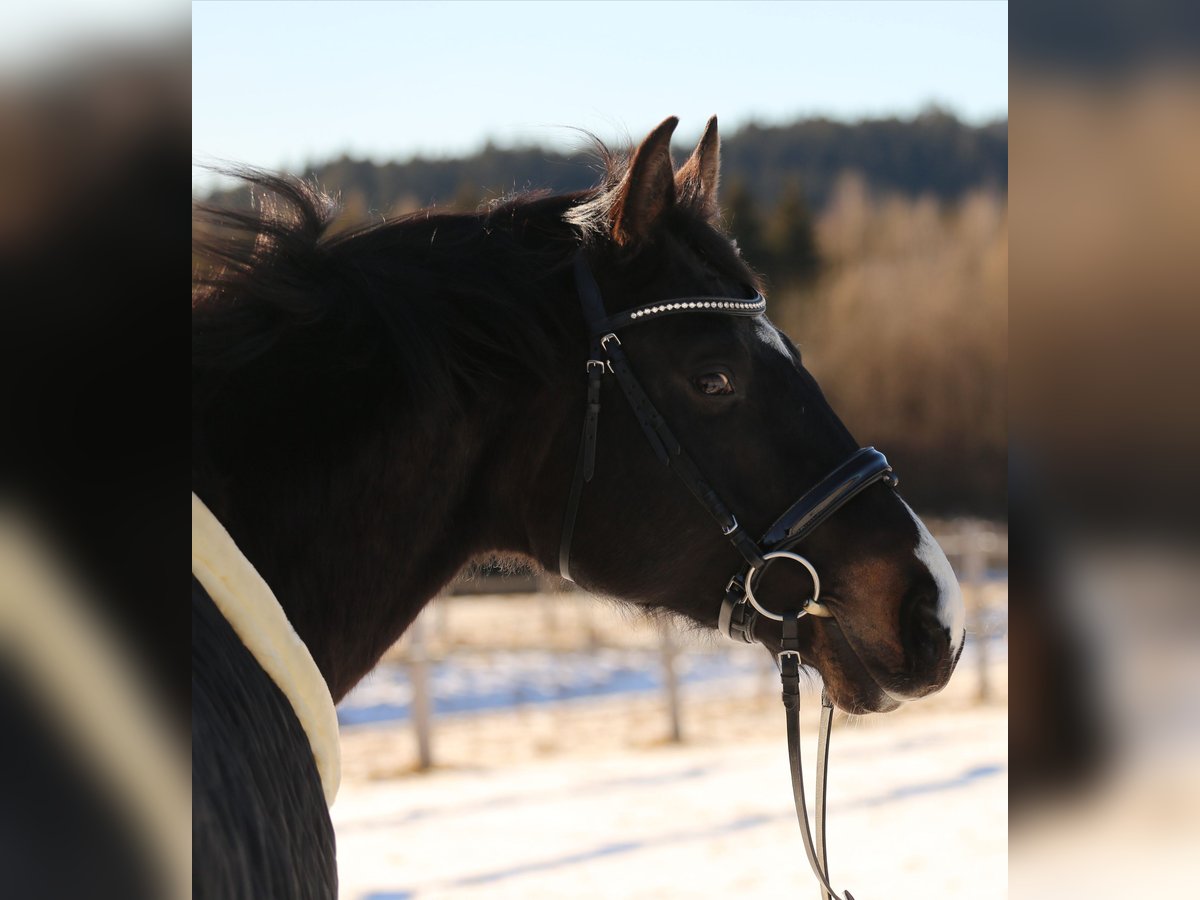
(789, 236)
(467, 198)
(745, 224)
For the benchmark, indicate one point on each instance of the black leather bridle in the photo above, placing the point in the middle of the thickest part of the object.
(741, 612)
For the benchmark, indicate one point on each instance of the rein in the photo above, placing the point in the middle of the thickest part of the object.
(741, 611)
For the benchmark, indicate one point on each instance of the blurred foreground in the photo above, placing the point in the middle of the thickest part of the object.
(1105, 429)
(94, 689)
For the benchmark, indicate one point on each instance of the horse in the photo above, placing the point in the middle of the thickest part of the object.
(375, 408)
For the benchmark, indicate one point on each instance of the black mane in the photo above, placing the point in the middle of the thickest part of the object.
(423, 311)
(380, 303)
(265, 276)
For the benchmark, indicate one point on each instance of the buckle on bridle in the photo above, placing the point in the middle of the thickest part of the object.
(609, 337)
(730, 530)
(602, 363)
(782, 653)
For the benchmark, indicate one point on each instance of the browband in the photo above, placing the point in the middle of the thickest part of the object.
(600, 323)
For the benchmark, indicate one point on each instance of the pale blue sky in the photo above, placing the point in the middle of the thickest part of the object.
(278, 84)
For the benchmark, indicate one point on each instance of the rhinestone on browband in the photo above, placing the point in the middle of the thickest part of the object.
(756, 305)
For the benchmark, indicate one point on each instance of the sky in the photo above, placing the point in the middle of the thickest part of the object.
(281, 84)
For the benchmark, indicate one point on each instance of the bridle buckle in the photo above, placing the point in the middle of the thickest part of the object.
(782, 653)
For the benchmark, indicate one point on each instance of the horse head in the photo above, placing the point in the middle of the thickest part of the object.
(734, 394)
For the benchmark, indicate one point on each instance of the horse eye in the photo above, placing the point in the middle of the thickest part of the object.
(713, 383)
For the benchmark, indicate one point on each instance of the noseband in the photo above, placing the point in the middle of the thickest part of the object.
(741, 611)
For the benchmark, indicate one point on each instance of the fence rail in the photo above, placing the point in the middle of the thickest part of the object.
(564, 620)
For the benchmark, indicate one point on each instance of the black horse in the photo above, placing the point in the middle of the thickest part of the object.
(372, 410)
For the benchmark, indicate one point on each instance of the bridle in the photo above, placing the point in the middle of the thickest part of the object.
(741, 611)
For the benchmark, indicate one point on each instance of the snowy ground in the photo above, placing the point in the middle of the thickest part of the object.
(578, 794)
(919, 812)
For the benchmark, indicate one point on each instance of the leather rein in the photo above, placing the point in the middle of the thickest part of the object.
(741, 611)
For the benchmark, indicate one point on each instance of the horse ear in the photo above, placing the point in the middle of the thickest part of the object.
(696, 182)
(648, 188)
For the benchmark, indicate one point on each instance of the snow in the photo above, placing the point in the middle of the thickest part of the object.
(584, 799)
(506, 679)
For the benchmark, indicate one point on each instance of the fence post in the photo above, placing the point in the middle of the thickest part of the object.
(418, 669)
(975, 569)
(669, 651)
(439, 612)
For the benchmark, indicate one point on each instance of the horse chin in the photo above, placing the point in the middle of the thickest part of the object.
(857, 693)
(849, 682)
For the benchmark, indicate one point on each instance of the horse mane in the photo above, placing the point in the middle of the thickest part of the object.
(401, 292)
(424, 311)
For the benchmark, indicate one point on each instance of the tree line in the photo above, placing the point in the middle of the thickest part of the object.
(884, 247)
(775, 177)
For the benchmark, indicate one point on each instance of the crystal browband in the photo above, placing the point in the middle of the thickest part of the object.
(724, 305)
(756, 306)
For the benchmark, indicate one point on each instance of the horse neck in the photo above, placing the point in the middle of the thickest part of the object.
(354, 548)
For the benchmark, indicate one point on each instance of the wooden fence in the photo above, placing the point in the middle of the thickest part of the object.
(978, 551)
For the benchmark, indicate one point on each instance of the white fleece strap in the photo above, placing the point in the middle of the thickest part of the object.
(249, 605)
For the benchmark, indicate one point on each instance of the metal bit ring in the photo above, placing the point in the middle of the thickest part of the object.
(811, 606)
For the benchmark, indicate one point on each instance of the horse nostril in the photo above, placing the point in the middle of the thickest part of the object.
(926, 639)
